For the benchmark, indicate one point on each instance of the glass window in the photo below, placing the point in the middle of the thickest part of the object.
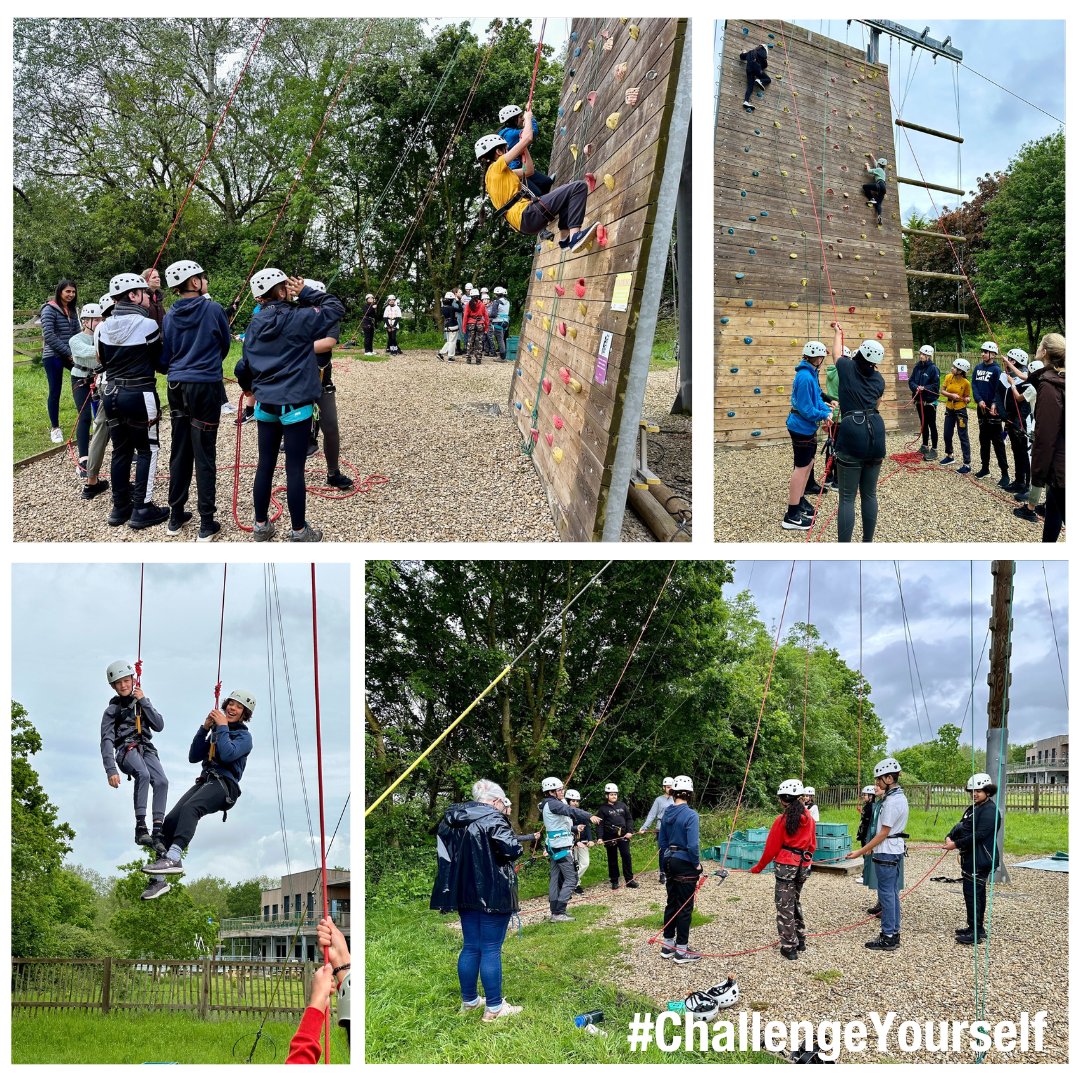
(266, 913)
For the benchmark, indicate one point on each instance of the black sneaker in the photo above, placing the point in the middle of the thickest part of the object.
(802, 943)
(1040, 510)
(614, 885)
(632, 884)
(686, 956)
(147, 516)
(813, 489)
(248, 415)
(207, 531)
(875, 910)
(1026, 514)
(982, 473)
(806, 507)
(339, 480)
(313, 449)
(178, 521)
(143, 837)
(964, 469)
(948, 459)
(667, 952)
(964, 930)
(1005, 483)
(120, 515)
(798, 522)
(91, 491)
(157, 842)
(1018, 487)
(885, 942)
(663, 879)
(579, 889)
(747, 106)
(789, 954)
(155, 889)
(970, 937)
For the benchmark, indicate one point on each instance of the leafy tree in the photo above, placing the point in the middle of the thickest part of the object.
(165, 930)
(244, 900)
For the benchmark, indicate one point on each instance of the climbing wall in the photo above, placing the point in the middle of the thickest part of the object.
(578, 330)
(772, 292)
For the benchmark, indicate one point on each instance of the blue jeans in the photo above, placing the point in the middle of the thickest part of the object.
(500, 339)
(481, 955)
(54, 373)
(888, 885)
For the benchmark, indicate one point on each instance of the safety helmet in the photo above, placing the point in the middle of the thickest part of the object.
(848, 352)
(609, 788)
(499, 290)
(550, 783)
(474, 292)
(391, 299)
(1035, 365)
(318, 286)
(989, 346)
(449, 296)
(106, 302)
(808, 790)
(700, 1006)
(265, 280)
(882, 162)
(814, 349)
(869, 790)
(468, 285)
(124, 283)
(178, 272)
(872, 351)
(725, 994)
(682, 783)
(508, 112)
(790, 787)
(1018, 357)
(927, 350)
(668, 781)
(369, 297)
(119, 669)
(90, 311)
(886, 765)
(572, 794)
(241, 697)
(486, 143)
(979, 781)
(962, 364)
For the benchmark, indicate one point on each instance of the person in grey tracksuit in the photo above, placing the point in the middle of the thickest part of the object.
(656, 813)
(559, 821)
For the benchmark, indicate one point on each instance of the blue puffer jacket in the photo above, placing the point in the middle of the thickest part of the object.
(195, 340)
(808, 408)
(57, 329)
(279, 363)
(511, 135)
(231, 746)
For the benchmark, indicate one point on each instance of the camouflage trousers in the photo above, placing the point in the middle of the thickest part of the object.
(789, 916)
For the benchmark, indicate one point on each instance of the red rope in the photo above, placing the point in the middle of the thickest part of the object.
(138, 649)
(806, 675)
(318, 758)
(221, 639)
(210, 144)
(536, 64)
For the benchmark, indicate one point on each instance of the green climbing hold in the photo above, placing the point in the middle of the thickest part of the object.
(764, 213)
(755, 173)
(751, 218)
(731, 232)
(753, 251)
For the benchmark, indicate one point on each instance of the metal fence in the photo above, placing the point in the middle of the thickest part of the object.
(206, 987)
(1020, 798)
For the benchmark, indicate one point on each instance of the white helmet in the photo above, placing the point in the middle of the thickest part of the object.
(814, 348)
(989, 346)
(668, 781)
(886, 765)
(265, 280)
(486, 143)
(700, 1006)
(369, 297)
(318, 286)
(474, 292)
(962, 364)
(124, 283)
(1018, 357)
(1035, 365)
(808, 790)
(178, 272)
(449, 296)
(882, 162)
(848, 352)
(682, 783)
(468, 286)
(106, 302)
(241, 697)
(574, 795)
(499, 290)
(550, 783)
(391, 299)
(725, 994)
(927, 350)
(790, 787)
(609, 788)
(508, 112)
(119, 669)
(869, 790)
(90, 311)
(979, 781)
(872, 351)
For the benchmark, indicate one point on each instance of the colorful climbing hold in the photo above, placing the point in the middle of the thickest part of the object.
(612, 121)
(560, 290)
(633, 31)
(578, 104)
(755, 173)
(579, 288)
(539, 275)
(591, 97)
(632, 95)
(573, 333)
(792, 255)
(558, 422)
(517, 405)
(564, 374)
(557, 454)
(743, 194)
(739, 276)
(880, 336)
(574, 150)
(731, 232)
(575, 386)
(764, 213)
(734, 370)
(609, 181)
(753, 251)
(535, 433)
(757, 389)
(546, 384)
(601, 235)
(749, 303)
(620, 72)
(547, 322)
(583, 308)
(590, 180)
(562, 329)
(731, 412)
(520, 373)
(724, 320)
(755, 434)
(549, 437)
(748, 341)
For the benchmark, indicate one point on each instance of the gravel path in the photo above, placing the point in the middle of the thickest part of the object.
(439, 432)
(929, 978)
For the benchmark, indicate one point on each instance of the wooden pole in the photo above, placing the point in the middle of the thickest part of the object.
(660, 523)
(926, 184)
(999, 679)
(106, 985)
(934, 235)
(929, 131)
(934, 274)
(938, 315)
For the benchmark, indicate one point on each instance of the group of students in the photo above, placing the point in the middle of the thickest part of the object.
(475, 322)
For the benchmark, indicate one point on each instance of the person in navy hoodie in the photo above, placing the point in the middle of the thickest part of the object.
(280, 369)
(808, 409)
(196, 339)
(1014, 411)
(512, 119)
(984, 384)
(925, 387)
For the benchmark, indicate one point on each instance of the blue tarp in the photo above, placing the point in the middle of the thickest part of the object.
(1060, 865)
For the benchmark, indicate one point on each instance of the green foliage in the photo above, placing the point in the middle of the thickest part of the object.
(244, 900)
(941, 761)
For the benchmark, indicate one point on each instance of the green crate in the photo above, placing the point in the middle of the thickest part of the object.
(512, 347)
(833, 843)
(830, 854)
(757, 836)
(711, 853)
(825, 829)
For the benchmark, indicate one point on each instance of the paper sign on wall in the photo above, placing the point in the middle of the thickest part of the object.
(902, 372)
(907, 354)
(620, 294)
(602, 354)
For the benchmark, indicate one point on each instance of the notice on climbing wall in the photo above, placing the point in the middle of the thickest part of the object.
(902, 372)
(907, 354)
(602, 354)
(620, 294)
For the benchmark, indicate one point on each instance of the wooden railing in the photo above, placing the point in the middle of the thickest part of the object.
(1021, 798)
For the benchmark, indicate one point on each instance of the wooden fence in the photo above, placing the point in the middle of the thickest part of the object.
(207, 987)
(1020, 798)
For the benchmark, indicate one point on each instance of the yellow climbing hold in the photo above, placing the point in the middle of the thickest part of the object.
(577, 105)
(783, 172)
(575, 150)
(547, 322)
(591, 43)
(582, 308)
(574, 88)
(529, 404)
(772, 322)
(551, 271)
(794, 212)
(575, 386)
(858, 258)
(792, 255)
(793, 304)
(802, 191)
(804, 281)
(540, 304)
(633, 31)
(794, 342)
(613, 121)
(774, 238)
(862, 236)
(770, 360)
(776, 123)
(881, 252)
(557, 454)
(573, 332)
(867, 295)
(609, 181)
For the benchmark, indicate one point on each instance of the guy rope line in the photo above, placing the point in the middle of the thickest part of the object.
(490, 686)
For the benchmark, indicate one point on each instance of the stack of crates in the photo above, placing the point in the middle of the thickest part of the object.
(833, 843)
(745, 847)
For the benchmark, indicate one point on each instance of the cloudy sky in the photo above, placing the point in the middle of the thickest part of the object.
(1026, 57)
(71, 621)
(936, 594)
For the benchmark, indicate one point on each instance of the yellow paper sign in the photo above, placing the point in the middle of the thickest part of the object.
(620, 294)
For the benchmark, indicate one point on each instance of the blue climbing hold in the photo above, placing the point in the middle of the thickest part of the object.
(748, 341)
(753, 251)
(539, 275)
(724, 320)
(755, 433)
(743, 194)
(731, 412)
(751, 218)
(528, 315)
(739, 277)
(539, 248)
(562, 130)
(761, 93)
(577, 51)
(772, 37)
(734, 371)
(517, 404)
(573, 35)
(749, 303)
(746, 149)
(745, 30)
(757, 389)
(755, 173)
(731, 232)
(520, 373)
(764, 213)
(560, 110)
(757, 131)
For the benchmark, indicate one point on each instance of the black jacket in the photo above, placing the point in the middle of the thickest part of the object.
(119, 734)
(615, 820)
(450, 310)
(758, 56)
(864, 823)
(477, 849)
(982, 820)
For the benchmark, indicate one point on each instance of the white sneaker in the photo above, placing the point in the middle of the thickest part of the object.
(56, 435)
(858, 880)
(228, 408)
(472, 1006)
(505, 1009)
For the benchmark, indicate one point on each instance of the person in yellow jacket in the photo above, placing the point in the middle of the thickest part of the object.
(956, 390)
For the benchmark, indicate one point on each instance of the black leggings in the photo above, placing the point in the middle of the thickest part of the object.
(183, 819)
(1055, 514)
(927, 422)
(875, 193)
(857, 478)
(754, 72)
(682, 879)
(567, 203)
(296, 438)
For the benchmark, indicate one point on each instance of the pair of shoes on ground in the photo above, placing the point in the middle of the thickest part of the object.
(968, 936)
(266, 531)
(500, 1011)
(560, 916)
(207, 529)
(143, 517)
(929, 453)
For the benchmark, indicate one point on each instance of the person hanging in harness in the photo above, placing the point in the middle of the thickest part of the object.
(925, 386)
(974, 838)
(127, 746)
(680, 859)
(791, 843)
(656, 813)
(984, 384)
(221, 746)
(510, 195)
(957, 393)
(512, 119)
(615, 835)
(756, 60)
(1013, 408)
(874, 188)
(559, 821)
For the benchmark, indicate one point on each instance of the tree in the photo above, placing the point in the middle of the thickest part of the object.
(166, 930)
(244, 900)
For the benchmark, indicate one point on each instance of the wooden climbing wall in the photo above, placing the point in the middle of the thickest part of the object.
(772, 292)
(581, 312)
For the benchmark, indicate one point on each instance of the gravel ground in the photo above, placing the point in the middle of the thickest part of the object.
(440, 433)
(929, 978)
(920, 502)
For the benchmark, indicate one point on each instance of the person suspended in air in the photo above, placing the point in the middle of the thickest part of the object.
(957, 393)
(874, 188)
(756, 60)
(974, 839)
(476, 326)
(809, 410)
(925, 387)
(1014, 410)
(127, 746)
(221, 746)
(512, 199)
(512, 119)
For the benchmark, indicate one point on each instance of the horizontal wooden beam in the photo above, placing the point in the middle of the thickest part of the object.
(936, 235)
(937, 315)
(934, 274)
(929, 131)
(925, 184)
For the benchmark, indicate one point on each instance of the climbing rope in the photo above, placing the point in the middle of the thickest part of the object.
(138, 648)
(806, 673)
(221, 637)
(536, 63)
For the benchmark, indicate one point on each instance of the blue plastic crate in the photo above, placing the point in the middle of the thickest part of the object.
(757, 836)
(825, 829)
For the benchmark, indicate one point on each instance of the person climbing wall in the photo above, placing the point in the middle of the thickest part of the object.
(756, 60)
(512, 117)
(874, 188)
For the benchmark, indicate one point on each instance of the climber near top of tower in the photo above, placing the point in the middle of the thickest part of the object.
(756, 60)
(874, 188)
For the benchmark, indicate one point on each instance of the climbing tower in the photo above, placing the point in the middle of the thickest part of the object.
(801, 150)
(581, 313)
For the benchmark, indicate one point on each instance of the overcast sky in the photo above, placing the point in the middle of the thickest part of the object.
(936, 594)
(1026, 57)
(71, 621)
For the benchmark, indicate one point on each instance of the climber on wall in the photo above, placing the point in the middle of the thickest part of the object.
(756, 60)
(874, 188)
(512, 118)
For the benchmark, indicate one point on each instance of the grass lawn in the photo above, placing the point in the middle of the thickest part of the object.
(82, 1038)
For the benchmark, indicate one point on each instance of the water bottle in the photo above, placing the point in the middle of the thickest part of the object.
(594, 1017)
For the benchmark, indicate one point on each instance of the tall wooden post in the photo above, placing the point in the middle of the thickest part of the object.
(999, 680)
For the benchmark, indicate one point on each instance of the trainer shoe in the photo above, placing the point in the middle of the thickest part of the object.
(885, 942)
(1018, 487)
(1004, 483)
(813, 489)
(687, 956)
(339, 480)
(155, 889)
(614, 885)
(789, 954)
(164, 865)
(582, 237)
(760, 83)
(261, 533)
(307, 535)
(667, 952)
(80, 469)
(313, 449)
(178, 521)
(56, 435)
(948, 459)
(797, 522)
(747, 106)
(964, 470)
(875, 910)
(981, 473)
(228, 409)
(476, 1003)
(931, 454)
(207, 531)
(143, 837)
(148, 515)
(91, 491)
(579, 889)
(120, 515)
(631, 884)
(500, 1013)
(1026, 513)
(802, 943)
(561, 917)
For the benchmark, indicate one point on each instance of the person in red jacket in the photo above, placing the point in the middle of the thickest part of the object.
(306, 1045)
(476, 324)
(791, 843)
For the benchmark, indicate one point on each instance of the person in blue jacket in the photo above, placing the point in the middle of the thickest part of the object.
(1014, 410)
(195, 339)
(221, 746)
(984, 384)
(680, 859)
(925, 387)
(280, 369)
(512, 118)
(808, 409)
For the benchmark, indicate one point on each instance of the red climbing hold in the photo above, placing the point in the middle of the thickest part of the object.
(546, 384)
(601, 235)
(590, 179)
(560, 290)
(562, 329)
(558, 422)
(564, 374)
(592, 97)
(579, 288)
(851, 311)
(535, 433)
(880, 335)
(550, 438)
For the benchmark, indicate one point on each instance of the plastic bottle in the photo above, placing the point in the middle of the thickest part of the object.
(594, 1017)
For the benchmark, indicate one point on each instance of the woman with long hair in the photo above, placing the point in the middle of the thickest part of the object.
(59, 324)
